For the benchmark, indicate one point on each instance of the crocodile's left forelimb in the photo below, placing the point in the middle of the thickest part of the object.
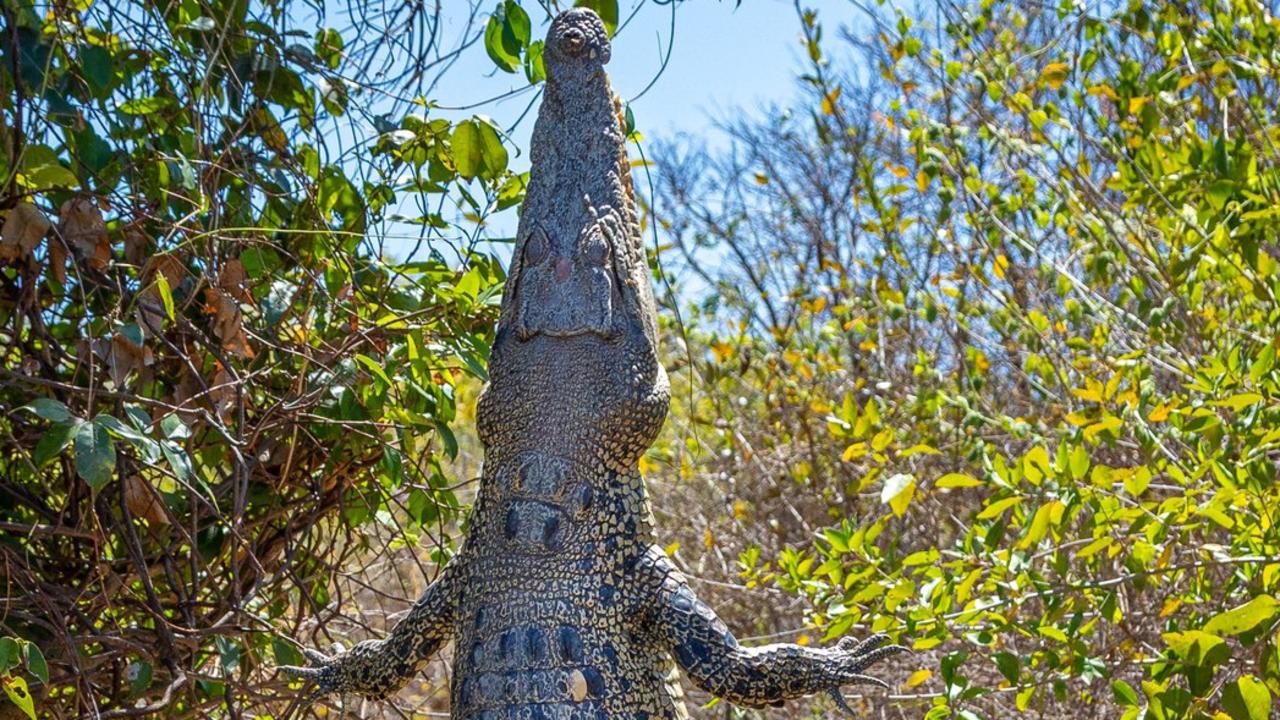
(377, 668)
(673, 617)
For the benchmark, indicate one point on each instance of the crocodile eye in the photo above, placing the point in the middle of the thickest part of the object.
(535, 248)
(595, 250)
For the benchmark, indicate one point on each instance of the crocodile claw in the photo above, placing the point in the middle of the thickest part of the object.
(857, 656)
(322, 672)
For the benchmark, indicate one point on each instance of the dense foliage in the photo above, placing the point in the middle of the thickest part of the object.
(213, 379)
(993, 314)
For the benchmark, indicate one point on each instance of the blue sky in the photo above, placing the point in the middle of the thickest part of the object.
(724, 60)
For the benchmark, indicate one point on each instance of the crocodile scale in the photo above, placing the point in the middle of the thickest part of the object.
(559, 602)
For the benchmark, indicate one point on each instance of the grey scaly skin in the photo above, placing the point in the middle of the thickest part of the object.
(560, 603)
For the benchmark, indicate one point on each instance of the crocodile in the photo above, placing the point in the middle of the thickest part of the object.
(559, 602)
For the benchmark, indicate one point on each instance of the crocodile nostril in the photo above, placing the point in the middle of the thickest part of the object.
(596, 252)
(573, 41)
(535, 248)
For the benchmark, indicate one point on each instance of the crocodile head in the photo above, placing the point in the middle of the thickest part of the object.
(577, 332)
(577, 221)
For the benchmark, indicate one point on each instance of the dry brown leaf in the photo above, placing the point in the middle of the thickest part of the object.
(168, 265)
(143, 501)
(228, 322)
(222, 393)
(58, 261)
(136, 247)
(81, 225)
(232, 279)
(125, 357)
(24, 227)
(149, 314)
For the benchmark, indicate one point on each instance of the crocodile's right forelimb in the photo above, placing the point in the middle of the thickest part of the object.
(377, 668)
(752, 676)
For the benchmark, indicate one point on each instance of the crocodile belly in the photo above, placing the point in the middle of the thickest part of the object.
(522, 664)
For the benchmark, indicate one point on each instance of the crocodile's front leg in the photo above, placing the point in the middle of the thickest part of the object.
(715, 662)
(377, 668)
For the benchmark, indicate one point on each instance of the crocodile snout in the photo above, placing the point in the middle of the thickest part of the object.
(575, 35)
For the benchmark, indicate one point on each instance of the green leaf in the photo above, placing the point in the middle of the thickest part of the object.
(516, 28)
(1008, 664)
(16, 688)
(41, 168)
(1240, 620)
(1247, 699)
(447, 437)
(50, 409)
(1197, 647)
(286, 653)
(498, 42)
(1125, 694)
(606, 9)
(95, 454)
(1079, 462)
(36, 664)
(8, 654)
(373, 367)
(96, 68)
(534, 67)
(139, 675)
(166, 294)
(1036, 465)
(477, 150)
(144, 105)
(149, 448)
(54, 441)
(178, 460)
(1263, 364)
(328, 47)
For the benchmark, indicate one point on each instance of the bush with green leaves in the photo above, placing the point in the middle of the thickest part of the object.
(993, 314)
(217, 387)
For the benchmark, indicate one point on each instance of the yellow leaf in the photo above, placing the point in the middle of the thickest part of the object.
(1110, 422)
(1171, 606)
(917, 678)
(854, 451)
(1161, 412)
(919, 449)
(829, 102)
(1239, 402)
(997, 508)
(898, 491)
(708, 539)
(882, 439)
(16, 688)
(1040, 523)
(1055, 74)
(1094, 547)
(926, 643)
(1036, 465)
(957, 480)
(1000, 265)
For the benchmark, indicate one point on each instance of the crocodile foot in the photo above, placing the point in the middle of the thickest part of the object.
(853, 658)
(358, 670)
